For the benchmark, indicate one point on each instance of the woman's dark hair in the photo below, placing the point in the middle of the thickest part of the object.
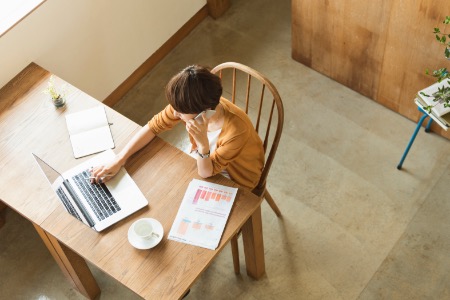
(194, 90)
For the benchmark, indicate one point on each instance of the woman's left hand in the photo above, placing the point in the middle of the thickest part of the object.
(199, 131)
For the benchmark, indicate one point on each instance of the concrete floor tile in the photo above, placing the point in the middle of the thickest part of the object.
(417, 267)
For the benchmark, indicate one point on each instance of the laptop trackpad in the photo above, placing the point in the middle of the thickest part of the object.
(123, 187)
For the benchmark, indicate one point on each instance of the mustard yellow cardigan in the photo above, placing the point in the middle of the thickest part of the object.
(239, 148)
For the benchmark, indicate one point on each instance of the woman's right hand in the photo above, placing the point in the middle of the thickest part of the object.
(103, 173)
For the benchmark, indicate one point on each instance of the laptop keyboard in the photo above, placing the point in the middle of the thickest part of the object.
(67, 204)
(97, 195)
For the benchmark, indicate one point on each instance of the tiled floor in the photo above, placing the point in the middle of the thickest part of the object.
(354, 226)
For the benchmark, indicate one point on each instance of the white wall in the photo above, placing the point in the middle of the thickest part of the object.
(93, 44)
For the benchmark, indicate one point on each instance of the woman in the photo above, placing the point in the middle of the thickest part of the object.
(224, 143)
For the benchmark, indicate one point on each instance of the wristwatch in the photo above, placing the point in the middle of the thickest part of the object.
(206, 155)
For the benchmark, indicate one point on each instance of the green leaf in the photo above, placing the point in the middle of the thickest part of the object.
(438, 38)
(427, 108)
(436, 30)
(447, 52)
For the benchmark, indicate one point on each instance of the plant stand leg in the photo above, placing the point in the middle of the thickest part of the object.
(427, 129)
(413, 137)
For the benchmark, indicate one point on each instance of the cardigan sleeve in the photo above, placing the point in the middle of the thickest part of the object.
(163, 121)
(229, 146)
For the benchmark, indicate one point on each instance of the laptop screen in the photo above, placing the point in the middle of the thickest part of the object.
(48, 171)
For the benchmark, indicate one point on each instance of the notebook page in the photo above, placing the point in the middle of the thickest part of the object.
(89, 131)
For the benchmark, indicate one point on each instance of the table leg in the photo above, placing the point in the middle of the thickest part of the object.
(72, 265)
(2, 217)
(254, 245)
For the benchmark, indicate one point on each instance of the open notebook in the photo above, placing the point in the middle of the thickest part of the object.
(89, 131)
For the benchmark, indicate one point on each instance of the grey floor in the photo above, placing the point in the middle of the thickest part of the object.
(354, 226)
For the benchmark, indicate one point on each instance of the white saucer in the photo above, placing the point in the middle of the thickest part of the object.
(150, 243)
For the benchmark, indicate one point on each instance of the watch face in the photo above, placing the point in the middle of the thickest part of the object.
(206, 155)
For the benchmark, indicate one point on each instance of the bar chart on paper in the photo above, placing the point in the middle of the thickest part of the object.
(212, 197)
(196, 227)
(203, 214)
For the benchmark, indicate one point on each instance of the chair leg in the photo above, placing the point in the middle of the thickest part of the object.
(235, 253)
(272, 204)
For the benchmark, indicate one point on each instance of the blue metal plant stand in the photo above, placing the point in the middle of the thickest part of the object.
(413, 137)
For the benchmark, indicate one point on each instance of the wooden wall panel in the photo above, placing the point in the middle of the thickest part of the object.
(378, 48)
(359, 49)
(343, 39)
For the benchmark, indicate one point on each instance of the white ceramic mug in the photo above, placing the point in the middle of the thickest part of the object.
(143, 229)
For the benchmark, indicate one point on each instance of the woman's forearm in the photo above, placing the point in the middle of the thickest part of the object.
(204, 164)
(205, 167)
(137, 142)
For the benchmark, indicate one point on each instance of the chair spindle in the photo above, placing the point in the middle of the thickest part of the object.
(247, 97)
(233, 95)
(266, 139)
(260, 108)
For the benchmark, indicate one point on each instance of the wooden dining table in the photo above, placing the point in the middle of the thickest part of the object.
(29, 123)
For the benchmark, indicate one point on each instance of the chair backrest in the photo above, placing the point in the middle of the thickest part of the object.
(265, 115)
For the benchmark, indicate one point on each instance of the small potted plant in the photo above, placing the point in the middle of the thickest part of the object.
(57, 96)
(442, 95)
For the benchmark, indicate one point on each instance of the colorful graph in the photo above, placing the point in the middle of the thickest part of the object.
(209, 227)
(211, 194)
(185, 224)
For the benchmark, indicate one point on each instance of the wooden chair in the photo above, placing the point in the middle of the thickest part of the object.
(267, 117)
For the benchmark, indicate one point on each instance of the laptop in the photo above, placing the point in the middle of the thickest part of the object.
(96, 205)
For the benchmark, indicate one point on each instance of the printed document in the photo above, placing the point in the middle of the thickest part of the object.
(203, 214)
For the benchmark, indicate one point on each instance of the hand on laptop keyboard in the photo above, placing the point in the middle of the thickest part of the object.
(103, 173)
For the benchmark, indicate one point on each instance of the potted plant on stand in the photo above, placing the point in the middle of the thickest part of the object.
(57, 96)
(443, 93)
